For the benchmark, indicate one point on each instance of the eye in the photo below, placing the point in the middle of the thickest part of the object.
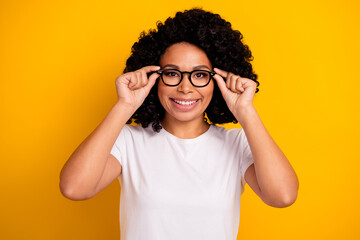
(200, 75)
(171, 73)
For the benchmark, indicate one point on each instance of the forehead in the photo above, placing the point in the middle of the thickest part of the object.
(185, 55)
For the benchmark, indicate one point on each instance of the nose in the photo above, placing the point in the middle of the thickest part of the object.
(185, 85)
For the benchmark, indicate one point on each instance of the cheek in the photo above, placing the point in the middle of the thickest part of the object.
(163, 93)
(161, 90)
(208, 93)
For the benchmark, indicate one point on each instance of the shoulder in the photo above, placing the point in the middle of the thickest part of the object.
(228, 133)
(131, 135)
(139, 131)
(231, 137)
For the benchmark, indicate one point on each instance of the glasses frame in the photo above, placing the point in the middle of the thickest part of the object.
(160, 72)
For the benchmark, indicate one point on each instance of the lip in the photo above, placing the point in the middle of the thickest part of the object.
(185, 104)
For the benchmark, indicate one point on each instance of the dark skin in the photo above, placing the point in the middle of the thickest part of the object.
(91, 168)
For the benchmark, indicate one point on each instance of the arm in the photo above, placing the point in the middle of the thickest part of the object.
(271, 176)
(91, 167)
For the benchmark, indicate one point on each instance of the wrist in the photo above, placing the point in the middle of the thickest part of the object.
(125, 108)
(243, 114)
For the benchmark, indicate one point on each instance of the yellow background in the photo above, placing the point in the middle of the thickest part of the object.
(58, 64)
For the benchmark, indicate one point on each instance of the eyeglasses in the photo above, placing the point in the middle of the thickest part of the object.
(173, 77)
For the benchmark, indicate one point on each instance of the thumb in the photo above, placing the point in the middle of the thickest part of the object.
(221, 84)
(152, 81)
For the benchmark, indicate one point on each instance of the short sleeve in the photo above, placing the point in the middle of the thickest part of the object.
(118, 149)
(246, 155)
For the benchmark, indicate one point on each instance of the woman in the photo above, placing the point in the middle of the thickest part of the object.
(181, 177)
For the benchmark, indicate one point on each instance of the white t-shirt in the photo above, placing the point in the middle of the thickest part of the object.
(185, 189)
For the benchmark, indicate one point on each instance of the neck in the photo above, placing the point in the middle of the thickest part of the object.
(185, 130)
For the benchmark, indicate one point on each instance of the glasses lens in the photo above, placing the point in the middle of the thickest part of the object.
(171, 77)
(200, 78)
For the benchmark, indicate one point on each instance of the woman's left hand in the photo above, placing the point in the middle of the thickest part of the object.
(237, 92)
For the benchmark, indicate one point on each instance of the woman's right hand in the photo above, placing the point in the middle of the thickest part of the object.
(133, 87)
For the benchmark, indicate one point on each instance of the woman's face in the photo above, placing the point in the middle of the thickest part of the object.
(185, 102)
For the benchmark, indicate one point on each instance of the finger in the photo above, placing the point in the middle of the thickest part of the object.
(137, 80)
(124, 78)
(233, 82)
(221, 72)
(141, 75)
(150, 68)
(143, 78)
(228, 80)
(132, 80)
(221, 83)
(248, 84)
(152, 80)
(240, 85)
(153, 77)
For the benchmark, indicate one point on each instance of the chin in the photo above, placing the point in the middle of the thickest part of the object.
(185, 116)
(185, 111)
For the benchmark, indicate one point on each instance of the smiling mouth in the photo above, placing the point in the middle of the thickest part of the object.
(185, 103)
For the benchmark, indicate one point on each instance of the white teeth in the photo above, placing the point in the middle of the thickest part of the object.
(185, 103)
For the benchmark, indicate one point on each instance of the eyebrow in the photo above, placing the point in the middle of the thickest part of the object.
(195, 68)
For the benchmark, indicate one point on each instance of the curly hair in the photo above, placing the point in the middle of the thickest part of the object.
(209, 32)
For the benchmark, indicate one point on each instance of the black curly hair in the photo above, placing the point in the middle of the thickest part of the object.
(214, 36)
